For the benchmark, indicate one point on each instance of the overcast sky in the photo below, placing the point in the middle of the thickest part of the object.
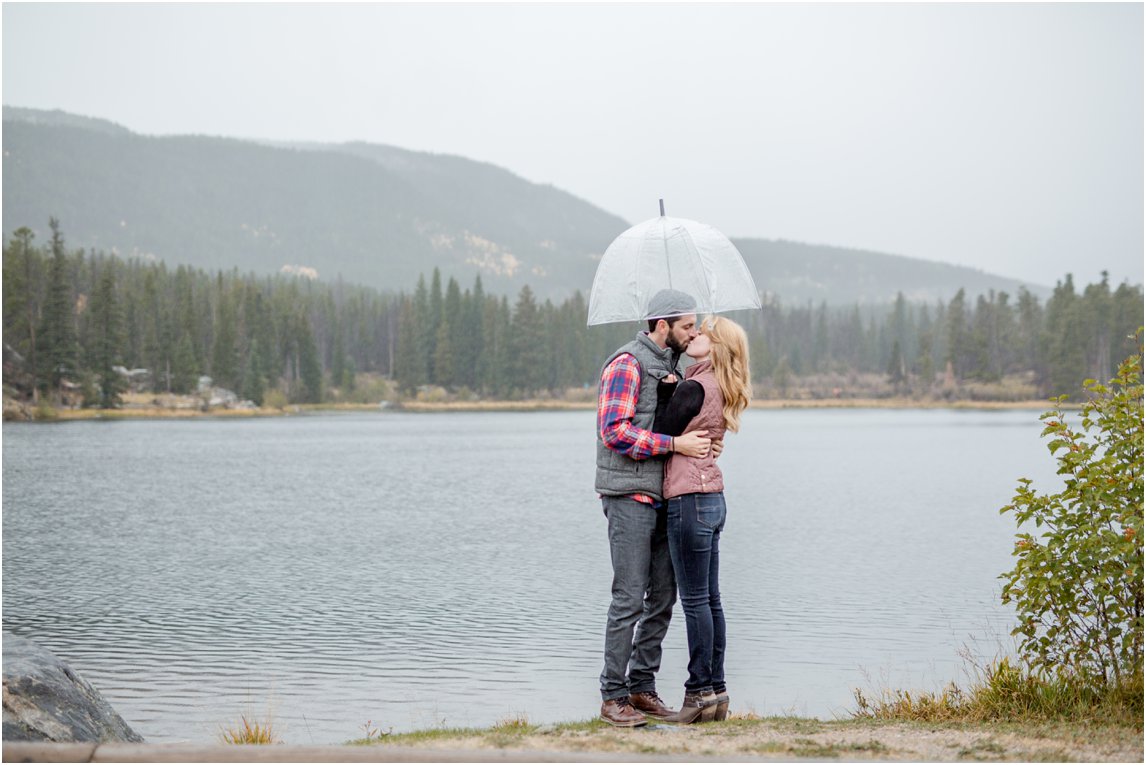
(1004, 137)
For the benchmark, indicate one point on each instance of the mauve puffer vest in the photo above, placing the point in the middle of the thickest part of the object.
(690, 475)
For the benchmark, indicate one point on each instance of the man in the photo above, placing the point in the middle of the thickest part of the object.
(630, 474)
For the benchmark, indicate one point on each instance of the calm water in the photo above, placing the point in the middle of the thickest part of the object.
(416, 570)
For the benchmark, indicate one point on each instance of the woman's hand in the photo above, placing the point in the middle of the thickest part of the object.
(693, 443)
(668, 379)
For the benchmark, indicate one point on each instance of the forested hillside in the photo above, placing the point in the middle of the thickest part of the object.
(71, 316)
(372, 215)
(375, 215)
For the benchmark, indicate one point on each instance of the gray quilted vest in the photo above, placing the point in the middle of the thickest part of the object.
(618, 475)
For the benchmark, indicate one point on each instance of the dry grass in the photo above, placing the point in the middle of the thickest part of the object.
(1003, 692)
(248, 732)
(525, 405)
(517, 724)
(169, 406)
(892, 403)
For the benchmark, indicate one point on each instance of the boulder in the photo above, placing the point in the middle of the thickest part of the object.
(16, 410)
(46, 700)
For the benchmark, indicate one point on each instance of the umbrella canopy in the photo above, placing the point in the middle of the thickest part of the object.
(669, 253)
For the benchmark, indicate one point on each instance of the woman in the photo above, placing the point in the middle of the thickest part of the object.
(716, 390)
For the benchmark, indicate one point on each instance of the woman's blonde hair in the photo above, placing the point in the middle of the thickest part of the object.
(730, 366)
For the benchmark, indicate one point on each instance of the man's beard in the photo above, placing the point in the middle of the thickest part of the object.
(676, 345)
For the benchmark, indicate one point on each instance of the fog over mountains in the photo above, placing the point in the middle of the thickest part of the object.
(375, 215)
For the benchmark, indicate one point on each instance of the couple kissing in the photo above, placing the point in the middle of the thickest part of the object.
(659, 432)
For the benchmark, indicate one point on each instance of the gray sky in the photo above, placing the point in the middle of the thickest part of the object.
(1004, 137)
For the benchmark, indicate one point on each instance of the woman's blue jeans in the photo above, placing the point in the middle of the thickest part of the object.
(694, 525)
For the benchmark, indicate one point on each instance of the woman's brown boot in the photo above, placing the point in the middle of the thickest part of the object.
(721, 706)
(696, 708)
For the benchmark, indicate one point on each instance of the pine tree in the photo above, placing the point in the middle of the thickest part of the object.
(184, 368)
(1125, 317)
(264, 340)
(58, 350)
(446, 366)
(476, 341)
(900, 329)
(310, 370)
(443, 356)
(959, 351)
(853, 336)
(185, 325)
(1097, 310)
(925, 359)
(22, 279)
(338, 359)
(433, 321)
(981, 322)
(895, 366)
(1064, 339)
(224, 353)
(422, 342)
(158, 344)
(254, 385)
(822, 347)
(497, 318)
(350, 374)
(406, 362)
(1028, 332)
(527, 352)
(107, 338)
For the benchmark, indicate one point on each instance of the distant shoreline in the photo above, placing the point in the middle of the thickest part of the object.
(532, 405)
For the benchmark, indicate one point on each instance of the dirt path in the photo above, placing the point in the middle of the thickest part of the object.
(785, 738)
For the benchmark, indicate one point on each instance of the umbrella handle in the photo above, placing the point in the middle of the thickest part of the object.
(662, 208)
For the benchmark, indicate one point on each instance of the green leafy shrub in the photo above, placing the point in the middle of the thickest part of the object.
(1077, 580)
(274, 399)
(44, 411)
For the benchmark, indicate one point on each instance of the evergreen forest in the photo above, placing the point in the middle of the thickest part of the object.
(79, 321)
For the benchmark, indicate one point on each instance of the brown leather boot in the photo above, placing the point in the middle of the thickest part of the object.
(696, 708)
(652, 705)
(620, 713)
(721, 706)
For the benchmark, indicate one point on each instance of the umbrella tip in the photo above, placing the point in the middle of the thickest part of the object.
(662, 208)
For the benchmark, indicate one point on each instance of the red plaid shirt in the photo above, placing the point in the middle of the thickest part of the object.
(616, 405)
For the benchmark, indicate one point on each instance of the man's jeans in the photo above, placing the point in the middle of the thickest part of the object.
(644, 592)
(694, 525)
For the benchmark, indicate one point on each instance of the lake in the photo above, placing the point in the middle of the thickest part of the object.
(419, 570)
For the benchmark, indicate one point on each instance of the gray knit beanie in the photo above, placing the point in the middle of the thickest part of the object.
(668, 303)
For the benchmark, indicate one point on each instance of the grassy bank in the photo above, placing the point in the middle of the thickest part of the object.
(1005, 692)
(789, 403)
(1006, 714)
(788, 737)
(137, 411)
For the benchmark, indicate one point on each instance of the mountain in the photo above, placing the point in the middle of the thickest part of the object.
(372, 214)
(798, 273)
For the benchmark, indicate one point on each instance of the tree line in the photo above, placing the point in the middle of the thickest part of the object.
(1074, 336)
(74, 316)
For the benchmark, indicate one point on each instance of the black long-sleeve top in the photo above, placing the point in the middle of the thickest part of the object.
(677, 404)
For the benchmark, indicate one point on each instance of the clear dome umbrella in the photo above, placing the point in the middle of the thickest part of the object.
(669, 253)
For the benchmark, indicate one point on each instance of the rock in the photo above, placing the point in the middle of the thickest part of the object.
(45, 700)
(16, 410)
